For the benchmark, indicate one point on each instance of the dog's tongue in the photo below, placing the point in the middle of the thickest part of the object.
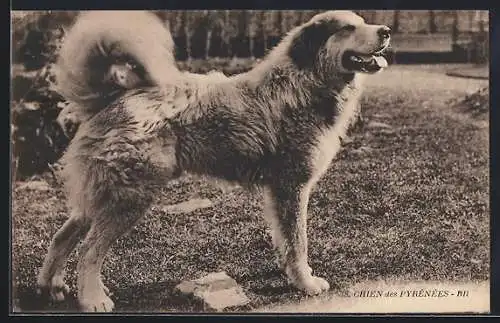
(371, 62)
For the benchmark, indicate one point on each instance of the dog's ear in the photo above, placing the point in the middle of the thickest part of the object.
(309, 40)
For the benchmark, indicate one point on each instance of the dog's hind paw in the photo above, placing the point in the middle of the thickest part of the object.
(56, 289)
(97, 304)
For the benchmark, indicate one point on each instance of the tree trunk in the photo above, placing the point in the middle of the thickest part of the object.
(208, 35)
(243, 34)
(264, 32)
(187, 34)
(454, 32)
(252, 31)
(300, 16)
(208, 43)
(279, 22)
(226, 38)
(432, 22)
(395, 23)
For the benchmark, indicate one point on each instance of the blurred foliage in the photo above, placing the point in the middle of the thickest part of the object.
(479, 100)
(36, 138)
(477, 104)
(36, 36)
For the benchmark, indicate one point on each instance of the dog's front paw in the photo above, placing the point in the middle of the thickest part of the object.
(99, 303)
(312, 285)
(105, 289)
(55, 288)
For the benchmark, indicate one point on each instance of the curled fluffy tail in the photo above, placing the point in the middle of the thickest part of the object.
(99, 39)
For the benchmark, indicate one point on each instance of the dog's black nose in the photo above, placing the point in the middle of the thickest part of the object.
(384, 32)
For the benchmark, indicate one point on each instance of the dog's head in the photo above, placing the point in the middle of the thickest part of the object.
(336, 42)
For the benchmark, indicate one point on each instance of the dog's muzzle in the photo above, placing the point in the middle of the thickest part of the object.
(354, 61)
(372, 62)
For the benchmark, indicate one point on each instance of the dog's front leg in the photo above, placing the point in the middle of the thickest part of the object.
(286, 212)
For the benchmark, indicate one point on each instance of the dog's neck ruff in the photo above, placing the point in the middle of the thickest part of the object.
(285, 85)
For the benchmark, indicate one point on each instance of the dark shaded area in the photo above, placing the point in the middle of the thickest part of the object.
(37, 138)
(427, 58)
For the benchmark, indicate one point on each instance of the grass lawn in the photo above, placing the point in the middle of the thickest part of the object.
(408, 198)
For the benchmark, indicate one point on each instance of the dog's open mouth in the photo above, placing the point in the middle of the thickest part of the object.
(368, 63)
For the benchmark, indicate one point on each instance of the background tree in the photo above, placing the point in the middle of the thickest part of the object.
(432, 22)
(395, 22)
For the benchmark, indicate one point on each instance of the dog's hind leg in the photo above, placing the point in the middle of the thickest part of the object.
(105, 229)
(287, 213)
(51, 276)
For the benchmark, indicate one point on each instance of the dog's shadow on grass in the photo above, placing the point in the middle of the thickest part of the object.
(28, 301)
(157, 297)
(270, 285)
(261, 286)
(152, 298)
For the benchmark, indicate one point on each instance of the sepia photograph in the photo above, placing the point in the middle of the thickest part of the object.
(249, 161)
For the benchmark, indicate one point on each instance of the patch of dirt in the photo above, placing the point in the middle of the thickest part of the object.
(474, 71)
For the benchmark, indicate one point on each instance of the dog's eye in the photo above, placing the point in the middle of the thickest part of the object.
(349, 28)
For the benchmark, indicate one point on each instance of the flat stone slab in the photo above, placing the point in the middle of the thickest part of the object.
(217, 291)
(188, 206)
(378, 125)
(363, 150)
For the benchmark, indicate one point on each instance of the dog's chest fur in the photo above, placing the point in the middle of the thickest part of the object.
(328, 137)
